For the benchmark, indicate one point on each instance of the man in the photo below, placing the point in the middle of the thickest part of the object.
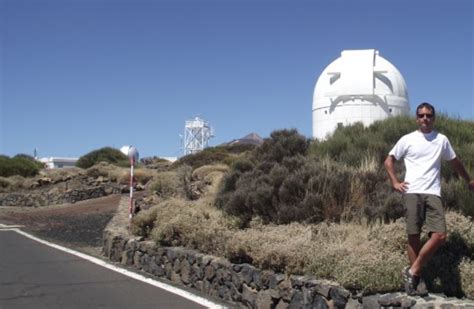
(422, 151)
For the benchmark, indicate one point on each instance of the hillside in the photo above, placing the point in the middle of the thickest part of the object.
(328, 201)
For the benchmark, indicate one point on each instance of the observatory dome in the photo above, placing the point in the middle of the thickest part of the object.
(359, 86)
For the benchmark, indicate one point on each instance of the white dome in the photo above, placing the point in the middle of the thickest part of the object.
(359, 86)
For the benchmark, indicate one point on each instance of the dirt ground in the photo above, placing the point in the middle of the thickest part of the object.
(78, 226)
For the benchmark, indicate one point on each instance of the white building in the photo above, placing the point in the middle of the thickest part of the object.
(359, 86)
(58, 162)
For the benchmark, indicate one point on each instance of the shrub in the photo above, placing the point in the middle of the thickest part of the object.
(61, 174)
(22, 165)
(203, 172)
(466, 271)
(457, 196)
(173, 183)
(281, 144)
(193, 225)
(144, 222)
(299, 189)
(119, 174)
(19, 182)
(226, 154)
(104, 169)
(156, 163)
(106, 154)
(142, 175)
(5, 182)
(352, 144)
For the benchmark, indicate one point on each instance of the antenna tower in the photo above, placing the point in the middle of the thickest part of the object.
(197, 133)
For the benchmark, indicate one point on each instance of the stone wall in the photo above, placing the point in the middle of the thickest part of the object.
(243, 284)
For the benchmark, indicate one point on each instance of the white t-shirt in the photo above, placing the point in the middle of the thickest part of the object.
(422, 154)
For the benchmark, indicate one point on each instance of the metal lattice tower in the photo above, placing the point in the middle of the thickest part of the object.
(197, 133)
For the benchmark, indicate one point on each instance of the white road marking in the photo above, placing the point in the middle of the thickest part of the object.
(197, 299)
(8, 227)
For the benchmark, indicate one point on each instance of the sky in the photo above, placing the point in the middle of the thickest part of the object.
(79, 75)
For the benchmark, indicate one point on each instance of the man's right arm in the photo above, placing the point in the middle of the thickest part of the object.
(399, 186)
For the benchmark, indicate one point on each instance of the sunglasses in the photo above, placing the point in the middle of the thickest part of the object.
(429, 116)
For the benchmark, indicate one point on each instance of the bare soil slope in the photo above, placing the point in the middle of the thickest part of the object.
(79, 225)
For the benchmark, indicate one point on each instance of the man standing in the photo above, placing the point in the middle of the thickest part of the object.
(422, 151)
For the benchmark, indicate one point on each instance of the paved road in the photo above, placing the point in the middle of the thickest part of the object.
(33, 275)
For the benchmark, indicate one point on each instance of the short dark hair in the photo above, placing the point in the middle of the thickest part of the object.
(428, 106)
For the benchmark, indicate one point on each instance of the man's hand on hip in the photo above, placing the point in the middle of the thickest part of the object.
(400, 186)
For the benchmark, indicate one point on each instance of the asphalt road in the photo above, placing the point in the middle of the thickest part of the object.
(33, 275)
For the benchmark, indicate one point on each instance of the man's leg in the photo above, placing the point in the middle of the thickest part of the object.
(436, 223)
(413, 248)
(431, 246)
(414, 218)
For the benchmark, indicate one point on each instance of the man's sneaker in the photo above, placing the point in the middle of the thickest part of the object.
(411, 281)
(421, 289)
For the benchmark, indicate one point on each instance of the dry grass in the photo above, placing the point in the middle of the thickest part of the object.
(168, 185)
(362, 257)
(5, 183)
(204, 172)
(17, 182)
(357, 256)
(59, 174)
(105, 169)
(466, 270)
(141, 175)
(196, 225)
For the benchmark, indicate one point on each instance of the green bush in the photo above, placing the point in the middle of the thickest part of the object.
(351, 144)
(106, 154)
(277, 183)
(20, 164)
(281, 144)
(205, 157)
(226, 154)
(280, 183)
(457, 196)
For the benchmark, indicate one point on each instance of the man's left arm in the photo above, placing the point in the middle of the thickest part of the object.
(461, 171)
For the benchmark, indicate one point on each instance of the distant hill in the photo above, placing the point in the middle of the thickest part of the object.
(252, 138)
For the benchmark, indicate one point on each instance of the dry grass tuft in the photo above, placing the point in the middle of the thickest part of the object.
(104, 169)
(273, 247)
(60, 174)
(5, 182)
(464, 226)
(192, 224)
(466, 270)
(142, 175)
(168, 185)
(144, 222)
(201, 173)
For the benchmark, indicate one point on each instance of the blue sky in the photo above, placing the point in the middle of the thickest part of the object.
(78, 75)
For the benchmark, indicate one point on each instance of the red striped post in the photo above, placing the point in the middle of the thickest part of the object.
(130, 207)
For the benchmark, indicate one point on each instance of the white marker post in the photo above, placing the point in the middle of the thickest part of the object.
(132, 154)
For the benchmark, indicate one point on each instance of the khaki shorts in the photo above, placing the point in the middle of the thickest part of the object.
(424, 209)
